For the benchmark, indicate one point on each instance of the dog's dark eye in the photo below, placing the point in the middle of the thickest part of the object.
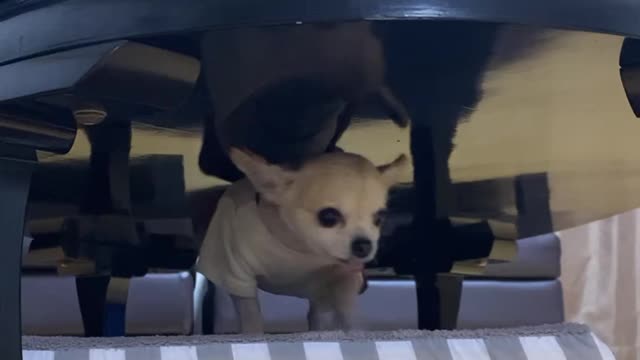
(378, 217)
(329, 217)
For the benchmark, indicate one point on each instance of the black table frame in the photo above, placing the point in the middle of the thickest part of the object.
(49, 26)
(53, 25)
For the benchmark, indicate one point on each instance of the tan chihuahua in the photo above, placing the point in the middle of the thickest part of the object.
(306, 232)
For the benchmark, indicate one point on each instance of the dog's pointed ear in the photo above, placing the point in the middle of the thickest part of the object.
(392, 172)
(271, 181)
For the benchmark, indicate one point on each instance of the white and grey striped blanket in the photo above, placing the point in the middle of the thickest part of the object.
(554, 342)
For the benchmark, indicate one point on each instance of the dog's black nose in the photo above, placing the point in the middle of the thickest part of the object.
(361, 247)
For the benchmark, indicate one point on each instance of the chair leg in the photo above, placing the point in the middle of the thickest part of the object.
(92, 295)
(16, 167)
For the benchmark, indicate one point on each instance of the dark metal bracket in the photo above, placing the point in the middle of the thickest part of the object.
(630, 72)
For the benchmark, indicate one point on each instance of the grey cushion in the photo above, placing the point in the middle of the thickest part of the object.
(491, 304)
(156, 304)
(50, 306)
(538, 258)
(386, 305)
(160, 304)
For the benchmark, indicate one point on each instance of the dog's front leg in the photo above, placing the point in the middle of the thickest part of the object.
(346, 294)
(342, 319)
(321, 316)
(249, 315)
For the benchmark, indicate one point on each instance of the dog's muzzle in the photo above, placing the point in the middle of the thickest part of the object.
(361, 247)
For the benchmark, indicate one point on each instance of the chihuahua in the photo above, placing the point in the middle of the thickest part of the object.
(305, 232)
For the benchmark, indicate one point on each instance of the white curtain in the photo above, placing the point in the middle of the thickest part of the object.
(600, 277)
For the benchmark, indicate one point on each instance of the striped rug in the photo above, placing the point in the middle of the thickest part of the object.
(555, 342)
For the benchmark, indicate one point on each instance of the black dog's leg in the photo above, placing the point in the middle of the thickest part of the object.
(435, 69)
